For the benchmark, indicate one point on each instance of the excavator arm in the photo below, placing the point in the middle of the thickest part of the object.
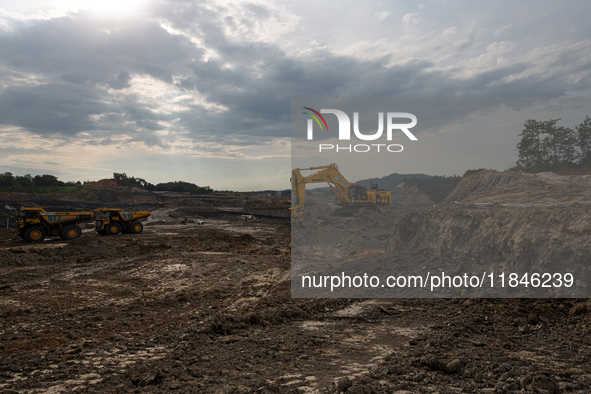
(350, 197)
(329, 174)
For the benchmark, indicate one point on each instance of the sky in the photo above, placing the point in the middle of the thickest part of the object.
(451, 134)
(201, 91)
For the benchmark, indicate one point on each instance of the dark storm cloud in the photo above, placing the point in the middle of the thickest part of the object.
(80, 56)
(73, 60)
(68, 109)
(51, 108)
(122, 81)
(93, 49)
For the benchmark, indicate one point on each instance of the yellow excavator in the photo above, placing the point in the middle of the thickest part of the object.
(351, 197)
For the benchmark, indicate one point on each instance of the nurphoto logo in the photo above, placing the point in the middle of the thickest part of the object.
(345, 130)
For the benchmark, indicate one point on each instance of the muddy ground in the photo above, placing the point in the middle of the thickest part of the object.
(207, 309)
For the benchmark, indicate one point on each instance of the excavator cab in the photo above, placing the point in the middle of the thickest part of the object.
(358, 192)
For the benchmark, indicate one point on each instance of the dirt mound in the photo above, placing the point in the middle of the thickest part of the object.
(6, 233)
(516, 188)
(484, 183)
(103, 183)
(90, 244)
(12, 258)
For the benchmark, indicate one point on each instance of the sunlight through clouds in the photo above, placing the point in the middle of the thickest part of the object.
(213, 80)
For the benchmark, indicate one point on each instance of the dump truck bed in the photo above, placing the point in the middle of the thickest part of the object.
(34, 224)
(55, 218)
(110, 221)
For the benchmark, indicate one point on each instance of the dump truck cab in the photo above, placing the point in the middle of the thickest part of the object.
(28, 218)
(112, 221)
(34, 224)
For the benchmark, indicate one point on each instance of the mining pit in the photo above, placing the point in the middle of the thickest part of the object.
(208, 308)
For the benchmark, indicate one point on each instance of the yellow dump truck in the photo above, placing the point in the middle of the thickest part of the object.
(34, 224)
(112, 221)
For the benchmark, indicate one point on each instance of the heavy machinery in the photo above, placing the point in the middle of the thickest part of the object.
(34, 224)
(351, 197)
(112, 221)
(160, 204)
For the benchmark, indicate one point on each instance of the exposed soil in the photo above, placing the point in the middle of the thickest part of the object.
(207, 309)
(521, 189)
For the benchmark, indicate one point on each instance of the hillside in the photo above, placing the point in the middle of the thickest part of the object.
(389, 181)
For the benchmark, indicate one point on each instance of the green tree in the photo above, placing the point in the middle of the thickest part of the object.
(568, 147)
(119, 177)
(25, 181)
(6, 179)
(46, 180)
(551, 143)
(183, 187)
(529, 149)
(584, 141)
(124, 180)
(545, 146)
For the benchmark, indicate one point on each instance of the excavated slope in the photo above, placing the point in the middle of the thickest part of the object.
(542, 224)
(506, 239)
(516, 188)
(403, 195)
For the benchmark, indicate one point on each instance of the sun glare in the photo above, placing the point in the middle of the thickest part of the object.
(105, 7)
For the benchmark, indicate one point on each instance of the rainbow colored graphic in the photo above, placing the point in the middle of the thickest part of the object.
(315, 118)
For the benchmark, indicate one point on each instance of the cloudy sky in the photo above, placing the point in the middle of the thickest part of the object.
(201, 91)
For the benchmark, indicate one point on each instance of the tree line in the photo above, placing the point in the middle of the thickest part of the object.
(176, 186)
(10, 182)
(45, 183)
(547, 146)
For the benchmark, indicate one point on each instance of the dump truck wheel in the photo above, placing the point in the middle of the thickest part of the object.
(135, 228)
(34, 234)
(70, 232)
(113, 228)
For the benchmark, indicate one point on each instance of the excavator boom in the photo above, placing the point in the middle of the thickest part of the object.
(348, 195)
